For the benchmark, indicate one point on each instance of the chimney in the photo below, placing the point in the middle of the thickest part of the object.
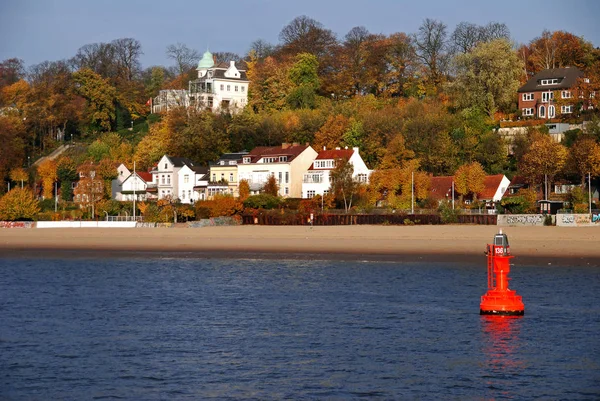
(337, 148)
(295, 144)
(324, 147)
(232, 63)
(285, 145)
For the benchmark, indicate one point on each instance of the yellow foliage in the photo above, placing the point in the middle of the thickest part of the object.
(19, 204)
(48, 173)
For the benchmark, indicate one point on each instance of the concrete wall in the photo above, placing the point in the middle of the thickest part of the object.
(578, 220)
(85, 224)
(521, 219)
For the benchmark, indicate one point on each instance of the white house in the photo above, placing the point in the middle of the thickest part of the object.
(136, 186)
(191, 183)
(316, 180)
(117, 184)
(165, 175)
(287, 163)
(221, 87)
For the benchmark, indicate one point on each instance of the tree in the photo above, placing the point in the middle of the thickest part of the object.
(66, 172)
(543, 159)
(430, 43)
(306, 35)
(19, 204)
(470, 179)
(244, 190)
(487, 77)
(100, 96)
(330, 135)
(343, 184)
(127, 53)
(19, 174)
(11, 70)
(467, 36)
(584, 157)
(303, 74)
(260, 49)
(184, 57)
(47, 172)
(271, 187)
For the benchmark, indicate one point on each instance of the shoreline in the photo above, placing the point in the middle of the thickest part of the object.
(544, 246)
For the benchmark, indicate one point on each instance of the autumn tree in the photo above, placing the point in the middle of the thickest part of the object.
(100, 96)
(13, 137)
(487, 77)
(271, 187)
(243, 190)
(11, 70)
(47, 172)
(306, 35)
(470, 179)
(66, 171)
(467, 36)
(330, 135)
(19, 204)
(343, 184)
(584, 157)
(19, 174)
(542, 160)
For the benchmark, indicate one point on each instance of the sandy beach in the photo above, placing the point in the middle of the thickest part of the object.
(452, 243)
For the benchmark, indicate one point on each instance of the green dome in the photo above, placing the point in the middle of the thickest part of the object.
(206, 61)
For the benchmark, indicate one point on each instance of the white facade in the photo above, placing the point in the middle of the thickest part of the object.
(134, 186)
(117, 184)
(316, 180)
(501, 189)
(287, 164)
(221, 87)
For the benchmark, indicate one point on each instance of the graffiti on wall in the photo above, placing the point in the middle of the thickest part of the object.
(522, 220)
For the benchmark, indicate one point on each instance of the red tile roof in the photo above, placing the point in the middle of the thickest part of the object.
(441, 187)
(146, 176)
(263, 151)
(491, 184)
(332, 154)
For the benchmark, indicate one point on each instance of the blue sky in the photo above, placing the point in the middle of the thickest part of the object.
(39, 30)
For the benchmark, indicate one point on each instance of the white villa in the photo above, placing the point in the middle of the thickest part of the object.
(316, 180)
(287, 163)
(221, 87)
(179, 178)
(128, 185)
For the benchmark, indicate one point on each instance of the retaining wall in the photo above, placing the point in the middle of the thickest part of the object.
(521, 219)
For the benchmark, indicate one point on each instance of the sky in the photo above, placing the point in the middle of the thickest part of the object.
(40, 30)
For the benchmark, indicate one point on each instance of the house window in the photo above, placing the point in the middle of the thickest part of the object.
(222, 87)
(566, 109)
(279, 179)
(163, 179)
(527, 96)
(287, 177)
(542, 111)
(528, 112)
(222, 176)
(287, 191)
(282, 158)
(190, 193)
(210, 101)
(182, 194)
(246, 160)
(551, 111)
(243, 88)
(547, 96)
(549, 81)
(228, 88)
(186, 179)
(214, 177)
(230, 177)
(236, 88)
(310, 194)
(566, 94)
(361, 177)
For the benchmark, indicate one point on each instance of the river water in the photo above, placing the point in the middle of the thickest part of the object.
(223, 329)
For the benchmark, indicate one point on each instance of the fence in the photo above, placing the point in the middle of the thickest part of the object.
(301, 219)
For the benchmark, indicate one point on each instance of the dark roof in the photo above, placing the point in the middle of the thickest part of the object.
(200, 169)
(291, 151)
(226, 157)
(567, 78)
(181, 161)
(219, 73)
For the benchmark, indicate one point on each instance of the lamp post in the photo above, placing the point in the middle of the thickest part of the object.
(412, 192)
(92, 176)
(590, 192)
(134, 186)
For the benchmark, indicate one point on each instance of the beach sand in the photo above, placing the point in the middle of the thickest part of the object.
(562, 246)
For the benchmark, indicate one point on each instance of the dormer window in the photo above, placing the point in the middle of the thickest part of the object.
(553, 81)
(283, 158)
(221, 162)
(165, 166)
(246, 160)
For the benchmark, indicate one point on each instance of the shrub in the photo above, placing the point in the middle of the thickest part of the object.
(19, 204)
(220, 205)
(262, 201)
(447, 214)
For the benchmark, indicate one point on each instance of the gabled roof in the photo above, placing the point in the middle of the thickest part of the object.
(227, 157)
(332, 154)
(181, 161)
(491, 185)
(567, 78)
(144, 175)
(200, 169)
(291, 151)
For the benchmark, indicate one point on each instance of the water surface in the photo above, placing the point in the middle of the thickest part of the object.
(270, 330)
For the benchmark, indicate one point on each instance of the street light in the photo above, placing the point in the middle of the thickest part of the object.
(92, 176)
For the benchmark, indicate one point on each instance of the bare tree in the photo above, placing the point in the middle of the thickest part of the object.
(98, 57)
(11, 70)
(225, 57)
(184, 57)
(262, 49)
(465, 37)
(127, 56)
(354, 47)
(306, 35)
(431, 47)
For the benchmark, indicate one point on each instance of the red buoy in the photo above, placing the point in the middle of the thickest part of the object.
(499, 299)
